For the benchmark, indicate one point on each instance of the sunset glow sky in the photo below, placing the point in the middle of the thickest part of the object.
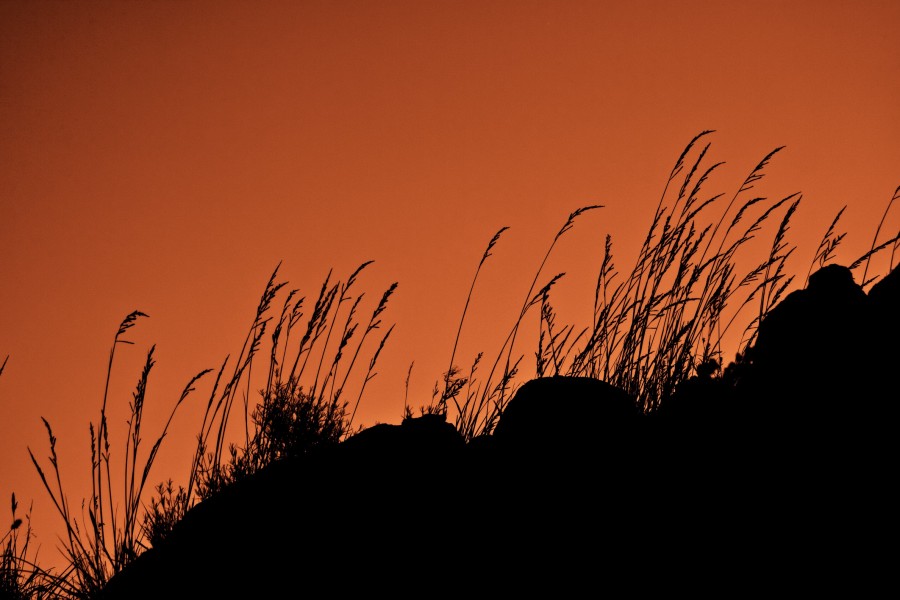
(166, 156)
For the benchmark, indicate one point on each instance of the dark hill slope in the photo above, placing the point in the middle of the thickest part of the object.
(782, 473)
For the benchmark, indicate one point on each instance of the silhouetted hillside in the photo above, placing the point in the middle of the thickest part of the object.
(779, 469)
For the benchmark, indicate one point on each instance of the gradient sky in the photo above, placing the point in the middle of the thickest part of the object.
(165, 156)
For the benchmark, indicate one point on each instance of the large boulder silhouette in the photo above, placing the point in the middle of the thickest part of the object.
(882, 330)
(820, 353)
(806, 355)
(815, 397)
(560, 412)
(824, 356)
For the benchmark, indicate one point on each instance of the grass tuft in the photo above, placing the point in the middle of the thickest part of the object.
(103, 542)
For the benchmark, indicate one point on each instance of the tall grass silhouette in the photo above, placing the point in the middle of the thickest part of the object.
(691, 289)
(302, 406)
(668, 317)
(103, 542)
(20, 576)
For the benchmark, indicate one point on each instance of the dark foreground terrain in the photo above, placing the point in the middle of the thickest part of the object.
(777, 478)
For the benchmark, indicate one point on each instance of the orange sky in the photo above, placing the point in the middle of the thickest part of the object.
(165, 156)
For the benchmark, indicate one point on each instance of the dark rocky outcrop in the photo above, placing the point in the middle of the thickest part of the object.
(807, 357)
(790, 458)
(883, 327)
(824, 357)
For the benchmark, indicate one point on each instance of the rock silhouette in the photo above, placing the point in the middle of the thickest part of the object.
(808, 355)
(552, 413)
(883, 325)
(823, 356)
(788, 458)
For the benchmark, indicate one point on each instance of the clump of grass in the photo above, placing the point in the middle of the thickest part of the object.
(477, 413)
(100, 544)
(831, 240)
(21, 577)
(667, 315)
(18, 576)
(667, 318)
(302, 404)
(167, 508)
(893, 243)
